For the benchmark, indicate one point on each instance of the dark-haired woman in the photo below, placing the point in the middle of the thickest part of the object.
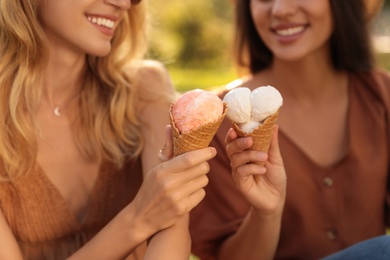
(334, 138)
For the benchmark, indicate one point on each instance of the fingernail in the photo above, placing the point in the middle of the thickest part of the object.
(261, 155)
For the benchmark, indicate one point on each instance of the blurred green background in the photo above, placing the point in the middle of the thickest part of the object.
(192, 38)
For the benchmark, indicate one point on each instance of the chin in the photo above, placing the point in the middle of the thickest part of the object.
(99, 51)
(290, 56)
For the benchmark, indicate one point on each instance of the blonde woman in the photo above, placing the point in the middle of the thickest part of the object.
(83, 120)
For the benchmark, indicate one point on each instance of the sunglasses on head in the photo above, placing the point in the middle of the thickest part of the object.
(135, 2)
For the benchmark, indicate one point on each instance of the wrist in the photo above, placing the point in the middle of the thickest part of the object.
(258, 214)
(134, 225)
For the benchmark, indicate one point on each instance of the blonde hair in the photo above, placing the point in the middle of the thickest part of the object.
(108, 127)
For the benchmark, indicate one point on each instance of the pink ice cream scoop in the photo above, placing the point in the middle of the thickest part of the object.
(195, 108)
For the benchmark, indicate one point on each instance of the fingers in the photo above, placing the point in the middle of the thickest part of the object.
(187, 198)
(192, 187)
(189, 159)
(246, 165)
(166, 153)
(183, 205)
(193, 172)
(244, 161)
(230, 135)
(186, 181)
(236, 145)
(174, 187)
(248, 170)
(185, 173)
(246, 157)
(195, 198)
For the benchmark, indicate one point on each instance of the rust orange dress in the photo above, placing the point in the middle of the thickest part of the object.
(327, 208)
(44, 226)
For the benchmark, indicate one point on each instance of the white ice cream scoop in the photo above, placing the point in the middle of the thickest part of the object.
(248, 109)
(265, 100)
(238, 101)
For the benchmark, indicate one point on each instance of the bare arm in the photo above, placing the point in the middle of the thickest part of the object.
(173, 242)
(168, 193)
(115, 241)
(169, 190)
(10, 249)
(258, 236)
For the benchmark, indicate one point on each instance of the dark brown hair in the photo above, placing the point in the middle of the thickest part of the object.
(350, 42)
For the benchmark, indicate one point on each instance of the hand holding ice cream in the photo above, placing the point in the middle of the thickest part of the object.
(254, 113)
(195, 118)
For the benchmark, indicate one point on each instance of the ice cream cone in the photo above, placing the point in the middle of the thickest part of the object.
(197, 138)
(262, 134)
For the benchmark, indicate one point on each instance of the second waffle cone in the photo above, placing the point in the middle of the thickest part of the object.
(262, 134)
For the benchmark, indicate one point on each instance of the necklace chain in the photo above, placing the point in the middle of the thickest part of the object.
(56, 109)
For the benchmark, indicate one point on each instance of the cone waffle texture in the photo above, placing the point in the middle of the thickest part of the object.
(262, 134)
(197, 138)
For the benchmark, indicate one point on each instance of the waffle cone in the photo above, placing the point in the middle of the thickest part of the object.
(262, 134)
(197, 138)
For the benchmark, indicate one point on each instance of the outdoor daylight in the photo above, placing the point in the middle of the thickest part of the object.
(195, 129)
(193, 39)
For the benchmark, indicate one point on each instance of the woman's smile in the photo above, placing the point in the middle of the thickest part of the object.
(103, 24)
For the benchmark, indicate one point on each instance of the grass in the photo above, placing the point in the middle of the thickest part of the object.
(187, 79)
(192, 257)
(383, 60)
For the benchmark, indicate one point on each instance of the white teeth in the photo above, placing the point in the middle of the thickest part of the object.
(290, 31)
(102, 21)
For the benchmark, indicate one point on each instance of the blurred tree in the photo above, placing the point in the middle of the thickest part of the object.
(191, 33)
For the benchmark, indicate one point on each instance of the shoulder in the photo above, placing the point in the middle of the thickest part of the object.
(153, 86)
(377, 80)
(153, 79)
(152, 68)
(382, 79)
(221, 91)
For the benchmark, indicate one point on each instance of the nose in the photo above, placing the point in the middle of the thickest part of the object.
(283, 8)
(121, 4)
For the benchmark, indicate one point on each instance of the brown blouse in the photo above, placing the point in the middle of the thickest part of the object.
(44, 226)
(327, 208)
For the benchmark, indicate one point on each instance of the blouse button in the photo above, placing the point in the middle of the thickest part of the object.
(328, 181)
(331, 234)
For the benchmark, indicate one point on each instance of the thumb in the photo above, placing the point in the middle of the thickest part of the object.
(166, 153)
